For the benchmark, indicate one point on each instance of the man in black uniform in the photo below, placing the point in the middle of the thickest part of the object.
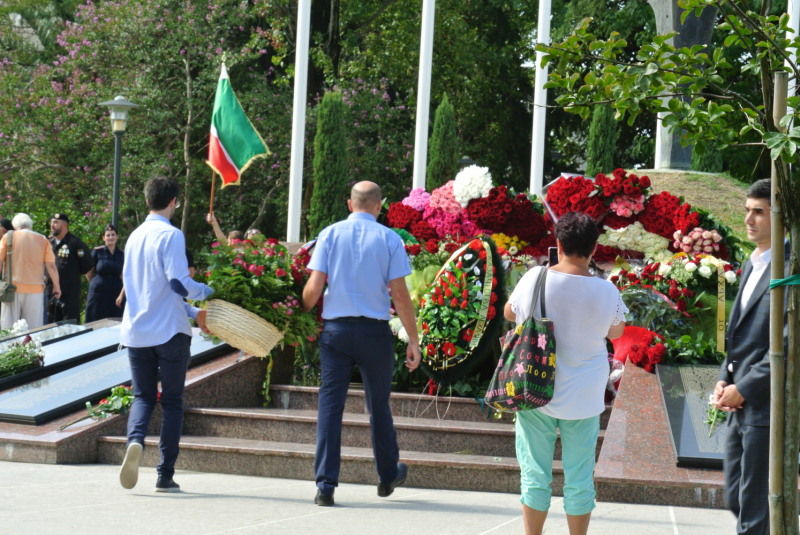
(73, 259)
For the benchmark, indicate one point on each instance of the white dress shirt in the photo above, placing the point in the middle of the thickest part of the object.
(156, 277)
(760, 263)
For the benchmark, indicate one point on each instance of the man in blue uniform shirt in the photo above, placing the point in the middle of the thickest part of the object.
(156, 329)
(360, 258)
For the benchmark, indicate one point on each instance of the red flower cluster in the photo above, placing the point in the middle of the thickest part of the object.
(512, 216)
(451, 247)
(621, 184)
(646, 354)
(540, 249)
(658, 215)
(684, 219)
(401, 216)
(572, 195)
(423, 231)
(616, 222)
(432, 246)
(414, 249)
(606, 253)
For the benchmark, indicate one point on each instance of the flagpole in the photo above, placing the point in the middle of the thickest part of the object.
(213, 183)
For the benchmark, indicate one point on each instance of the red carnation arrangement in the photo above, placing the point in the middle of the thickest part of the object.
(572, 195)
(401, 216)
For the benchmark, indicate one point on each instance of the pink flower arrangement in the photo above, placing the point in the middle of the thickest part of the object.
(444, 199)
(626, 205)
(417, 199)
(697, 241)
(452, 225)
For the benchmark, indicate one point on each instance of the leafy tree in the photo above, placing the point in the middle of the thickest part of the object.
(443, 152)
(704, 108)
(330, 165)
(710, 161)
(603, 136)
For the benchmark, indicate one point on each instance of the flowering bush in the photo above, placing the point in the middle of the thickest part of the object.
(472, 182)
(21, 356)
(444, 199)
(635, 238)
(697, 241)
(417, 199)
(262, 277)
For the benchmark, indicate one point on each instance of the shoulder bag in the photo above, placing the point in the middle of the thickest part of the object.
(7, 288)
(526, 371)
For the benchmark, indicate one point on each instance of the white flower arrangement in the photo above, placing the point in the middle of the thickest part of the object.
(398, 330)
(730, 277)
(691, 267)
(472, 182)
(635, 238)
(19, 327)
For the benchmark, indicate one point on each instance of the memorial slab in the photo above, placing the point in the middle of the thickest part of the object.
(60, 356)
(48, 335)
(49, 398)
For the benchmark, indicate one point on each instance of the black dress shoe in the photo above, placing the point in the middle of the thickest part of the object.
(386, 489)
(325, 500)
(167, 485)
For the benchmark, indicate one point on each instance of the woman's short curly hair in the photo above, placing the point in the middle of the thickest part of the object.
(577, 233)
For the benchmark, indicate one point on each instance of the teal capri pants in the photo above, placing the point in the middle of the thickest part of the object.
(536, 442)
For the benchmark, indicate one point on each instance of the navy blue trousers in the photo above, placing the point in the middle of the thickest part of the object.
(343, 345)
(172, 358)
(746, 470)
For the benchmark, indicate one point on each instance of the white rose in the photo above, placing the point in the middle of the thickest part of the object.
(690, 267)
(513, 250)
(730, 277)
(705, 271)
(664, 269)
(705, 261)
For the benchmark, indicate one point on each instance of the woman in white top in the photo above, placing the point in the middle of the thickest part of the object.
(585, 310)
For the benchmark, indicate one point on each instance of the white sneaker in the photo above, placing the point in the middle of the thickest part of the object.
(129, 471)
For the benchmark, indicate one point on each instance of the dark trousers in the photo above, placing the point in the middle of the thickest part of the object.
(172, 358)
(70, 311)
(343, 345)
(747, 475)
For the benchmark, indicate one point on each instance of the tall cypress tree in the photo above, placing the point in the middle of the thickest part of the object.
(443, 151)
(328, 202)
(603, 134)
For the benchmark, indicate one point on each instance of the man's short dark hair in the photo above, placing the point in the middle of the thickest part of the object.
(6, 224)
(159, 192)
(761, 189)
(577, 233)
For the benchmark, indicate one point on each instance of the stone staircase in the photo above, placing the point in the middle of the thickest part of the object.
(447, 442)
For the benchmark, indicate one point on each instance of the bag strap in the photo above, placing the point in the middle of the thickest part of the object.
(538, 293)
(9, 241)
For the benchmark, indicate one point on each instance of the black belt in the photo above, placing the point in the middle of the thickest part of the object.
(358, 319)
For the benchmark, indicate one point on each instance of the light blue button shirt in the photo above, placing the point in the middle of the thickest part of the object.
(156, 278)
(360, 257)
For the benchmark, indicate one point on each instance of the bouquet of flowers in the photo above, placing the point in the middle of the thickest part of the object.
(513, 215)
(634, 237)
(263, 278)
(18, 327)
(624, 194)
(575, 194)
(697, 241)
(401, 216)
(472, 182)
(443, 199)
(459, 312)
(417, 199)
(664, 214)
(447, 224)
(21, 357)
(509, 245)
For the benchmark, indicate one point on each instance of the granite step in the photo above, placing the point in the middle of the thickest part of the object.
(413, 434)
(403, 404)
(296, 461)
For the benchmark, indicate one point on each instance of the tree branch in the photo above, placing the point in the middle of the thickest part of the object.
(359, 27)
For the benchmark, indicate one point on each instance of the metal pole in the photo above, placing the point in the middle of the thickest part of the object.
(794, 23)
(298, 120)
(117, 163)
(539, 101)
(776, 357)
(424, 93)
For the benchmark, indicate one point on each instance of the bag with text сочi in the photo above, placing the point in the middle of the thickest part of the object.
(526, 371)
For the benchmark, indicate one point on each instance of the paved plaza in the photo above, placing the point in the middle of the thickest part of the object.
(87, 500)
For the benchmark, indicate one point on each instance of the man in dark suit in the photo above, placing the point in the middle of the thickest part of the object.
(744, 378)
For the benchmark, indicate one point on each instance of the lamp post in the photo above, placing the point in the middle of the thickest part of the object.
(119, 120)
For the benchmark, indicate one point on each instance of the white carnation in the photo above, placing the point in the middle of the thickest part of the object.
(396, 325)
(403, 335)
(472, 182)
(705, 271)
(730, 277)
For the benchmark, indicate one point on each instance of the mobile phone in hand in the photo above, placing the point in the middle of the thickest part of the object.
(553, 253)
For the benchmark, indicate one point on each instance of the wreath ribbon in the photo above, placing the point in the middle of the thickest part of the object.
(794, 280)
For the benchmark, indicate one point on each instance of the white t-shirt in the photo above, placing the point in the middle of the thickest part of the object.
(582, 309)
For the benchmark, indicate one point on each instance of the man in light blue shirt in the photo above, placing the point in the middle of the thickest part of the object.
(156, 329)
(360, 258)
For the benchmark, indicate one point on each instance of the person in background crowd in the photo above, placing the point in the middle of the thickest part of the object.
(743, 387)
(105, 279)
(30, 256)
(360, 258)
(5, 226)
(190, 261)
(232, 235)
(73, 259)
(157, 331)
(585, 310)
(251, 232)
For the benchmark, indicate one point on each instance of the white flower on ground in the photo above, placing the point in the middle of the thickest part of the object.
(730, 277)
(705, 271)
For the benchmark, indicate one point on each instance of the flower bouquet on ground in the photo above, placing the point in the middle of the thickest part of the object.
(264, 280)
(119, 402)
(461, 312)
(20, 357)
(19, 327)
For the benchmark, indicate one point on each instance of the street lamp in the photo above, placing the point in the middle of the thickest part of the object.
(119, 120)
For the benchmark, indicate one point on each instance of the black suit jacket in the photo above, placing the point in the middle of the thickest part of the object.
(747, 342)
